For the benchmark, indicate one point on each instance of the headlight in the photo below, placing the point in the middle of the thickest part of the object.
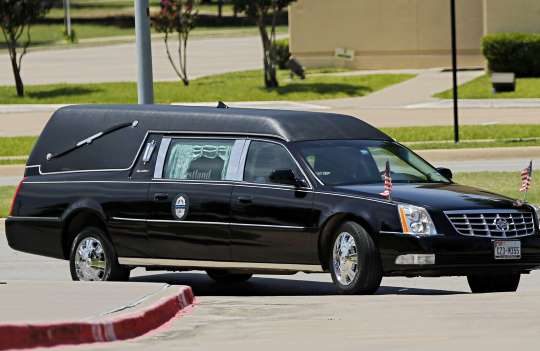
(416, 220)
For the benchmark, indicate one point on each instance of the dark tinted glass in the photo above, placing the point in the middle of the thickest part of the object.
(339, 162)
(263, 158)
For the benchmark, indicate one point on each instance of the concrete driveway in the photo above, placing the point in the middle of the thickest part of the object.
(302, 312)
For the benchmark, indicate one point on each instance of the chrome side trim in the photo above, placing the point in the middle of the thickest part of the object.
(172, 181)
(357, 197)
(207, 223)
(267, 226)
(25, 218)
(160, 160)
(134, 261)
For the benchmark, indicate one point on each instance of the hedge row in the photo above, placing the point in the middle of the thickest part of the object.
(513, 52)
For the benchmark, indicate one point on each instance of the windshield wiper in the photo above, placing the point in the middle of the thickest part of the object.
(91, 138)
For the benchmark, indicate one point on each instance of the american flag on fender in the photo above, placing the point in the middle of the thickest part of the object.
(526, 178)
(387, 182)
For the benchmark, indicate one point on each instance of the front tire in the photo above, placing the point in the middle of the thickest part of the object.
(355, 263)
(92, 258)
(223, 276)
(491, 283)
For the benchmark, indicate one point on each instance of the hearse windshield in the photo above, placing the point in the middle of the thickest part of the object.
(343, 162)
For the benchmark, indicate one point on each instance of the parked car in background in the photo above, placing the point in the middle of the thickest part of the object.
(238, 192)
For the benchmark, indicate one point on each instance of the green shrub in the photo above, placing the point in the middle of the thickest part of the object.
(513, 52)
(282, 53)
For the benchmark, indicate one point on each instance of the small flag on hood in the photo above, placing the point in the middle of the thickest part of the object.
(387, 182)
(526, 178)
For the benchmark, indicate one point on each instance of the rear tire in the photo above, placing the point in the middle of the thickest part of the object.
(92, 258)
(491, 283)
(223, 276)
(355, 263)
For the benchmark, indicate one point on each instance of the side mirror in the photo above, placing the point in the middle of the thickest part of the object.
(445, 172)
(286, 177)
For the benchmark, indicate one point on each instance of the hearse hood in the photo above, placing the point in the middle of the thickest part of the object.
(443, 197)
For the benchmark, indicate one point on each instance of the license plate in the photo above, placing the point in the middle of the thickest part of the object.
(507, 250)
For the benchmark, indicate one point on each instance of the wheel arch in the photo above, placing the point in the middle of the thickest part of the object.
(81, 214)
(329, 228)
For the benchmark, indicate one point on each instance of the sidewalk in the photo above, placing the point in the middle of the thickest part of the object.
(57, 313)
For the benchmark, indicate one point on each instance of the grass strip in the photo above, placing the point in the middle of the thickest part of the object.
(481, 88)
(237, 86)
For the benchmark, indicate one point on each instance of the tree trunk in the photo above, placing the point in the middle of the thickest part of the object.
(16, 74)
(220, 9)
(270, 77)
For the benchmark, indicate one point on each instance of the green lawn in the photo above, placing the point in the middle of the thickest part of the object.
(239, 86)
(16, 146)
(477, 136)
(505, 183)
(6, 194)
(481, 88)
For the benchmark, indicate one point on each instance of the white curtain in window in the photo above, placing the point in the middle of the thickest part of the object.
(182, 154)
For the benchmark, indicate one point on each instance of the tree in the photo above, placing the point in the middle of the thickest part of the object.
(16, 17)
(177, 16)
(262, 11)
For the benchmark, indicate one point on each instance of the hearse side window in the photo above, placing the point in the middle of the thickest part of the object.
(198, 159)
(263, 158)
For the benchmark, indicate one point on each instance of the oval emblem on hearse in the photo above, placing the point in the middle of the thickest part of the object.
(180, 206)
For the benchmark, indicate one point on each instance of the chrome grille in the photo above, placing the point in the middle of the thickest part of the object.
(493, 224)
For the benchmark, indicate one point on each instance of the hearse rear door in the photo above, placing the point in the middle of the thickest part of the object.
(190, 198)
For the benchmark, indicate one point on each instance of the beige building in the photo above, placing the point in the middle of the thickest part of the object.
(375, 34)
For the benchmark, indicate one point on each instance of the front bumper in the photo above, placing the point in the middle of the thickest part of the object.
(455, 255)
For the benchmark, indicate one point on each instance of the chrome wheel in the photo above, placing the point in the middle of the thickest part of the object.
(90, 260)
(345, 258)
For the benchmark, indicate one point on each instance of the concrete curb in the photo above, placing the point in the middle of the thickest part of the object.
(122, 327)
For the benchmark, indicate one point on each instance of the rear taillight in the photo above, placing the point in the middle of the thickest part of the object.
(15, 196)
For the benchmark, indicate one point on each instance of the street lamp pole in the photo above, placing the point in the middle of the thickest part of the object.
(67, 20)
(454, 69)
(145, 89)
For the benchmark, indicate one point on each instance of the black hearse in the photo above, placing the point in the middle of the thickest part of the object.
(239, 191)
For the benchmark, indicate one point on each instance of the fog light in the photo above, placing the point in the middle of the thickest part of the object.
(416, 259)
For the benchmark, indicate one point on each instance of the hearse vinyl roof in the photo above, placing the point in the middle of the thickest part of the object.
(74, 125)
(283, 124)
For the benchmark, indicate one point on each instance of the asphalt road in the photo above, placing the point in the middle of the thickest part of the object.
(302, 312)
(117, 62)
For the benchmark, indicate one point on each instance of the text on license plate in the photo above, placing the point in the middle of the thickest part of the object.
(507, 249)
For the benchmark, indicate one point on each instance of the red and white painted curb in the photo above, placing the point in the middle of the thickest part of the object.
(22, 336)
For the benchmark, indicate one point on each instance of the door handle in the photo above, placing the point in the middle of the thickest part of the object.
(245, 199)
(161, 196)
